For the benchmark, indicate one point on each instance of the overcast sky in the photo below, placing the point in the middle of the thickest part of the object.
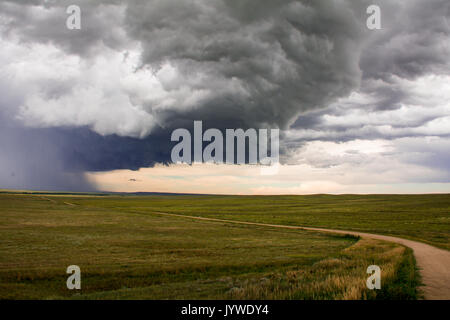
(360, 111)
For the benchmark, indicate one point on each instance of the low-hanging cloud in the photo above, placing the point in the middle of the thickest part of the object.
(107, 96)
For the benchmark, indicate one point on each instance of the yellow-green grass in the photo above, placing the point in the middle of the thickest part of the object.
(341, 277)
(126, 254)
(424, 218)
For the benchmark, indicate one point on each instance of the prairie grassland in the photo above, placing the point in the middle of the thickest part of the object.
(340, 278)
(423, 218)
(125, 252)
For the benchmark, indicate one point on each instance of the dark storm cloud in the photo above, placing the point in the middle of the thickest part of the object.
(56, 158)
(247, 63)
(84, 150)
(266, 61)
(257, 62)
(30, 159)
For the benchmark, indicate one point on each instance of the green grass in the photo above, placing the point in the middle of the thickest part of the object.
(126, 252)
(341, 277)
(407, 280)
(424, 218)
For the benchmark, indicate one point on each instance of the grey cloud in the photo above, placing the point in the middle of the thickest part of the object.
(264, 65)
(238, 64)
(45, 22)
(31, 160)
(413, 42)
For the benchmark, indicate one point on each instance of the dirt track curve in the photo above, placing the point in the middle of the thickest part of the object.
(434, 263)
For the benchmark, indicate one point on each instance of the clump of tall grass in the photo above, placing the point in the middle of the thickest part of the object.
(340, 278)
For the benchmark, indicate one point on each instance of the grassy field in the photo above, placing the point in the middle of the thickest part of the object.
(126, 252)
(423, 218)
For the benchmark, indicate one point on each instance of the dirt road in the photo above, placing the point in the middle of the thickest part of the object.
(434, 263)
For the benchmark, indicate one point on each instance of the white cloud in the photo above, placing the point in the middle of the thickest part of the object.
(424, 110)
(361, 166)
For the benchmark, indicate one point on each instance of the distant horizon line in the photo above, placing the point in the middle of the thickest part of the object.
(149, 193)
